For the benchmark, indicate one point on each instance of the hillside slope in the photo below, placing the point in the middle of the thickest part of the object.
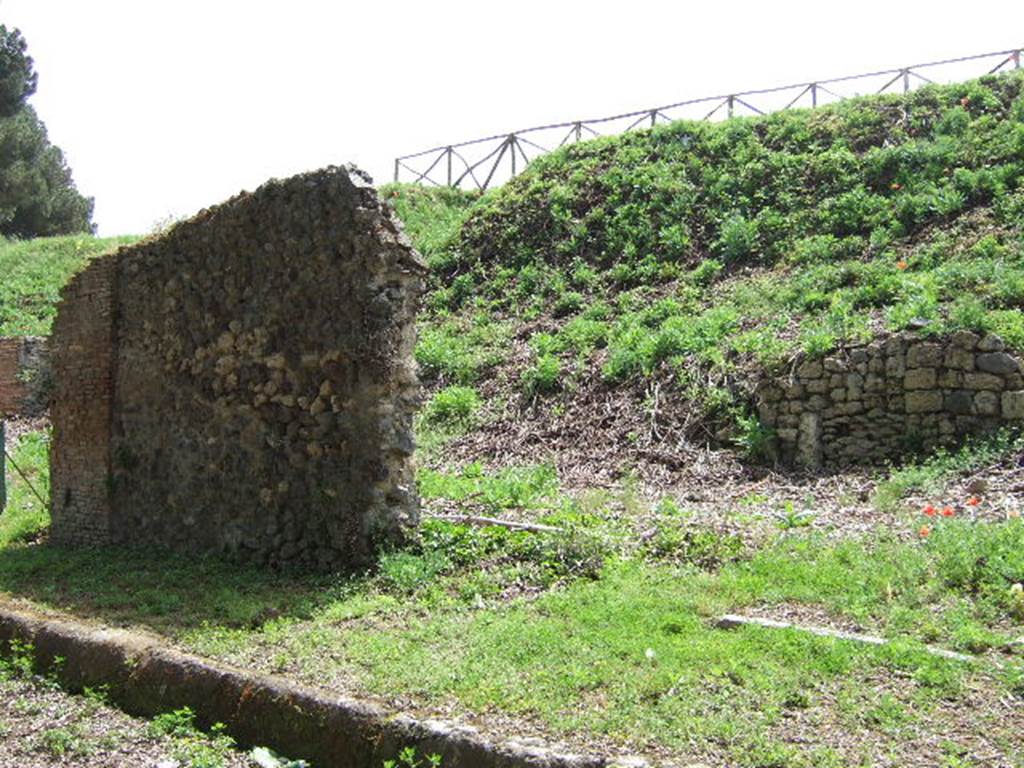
(605, 308)
(32, 272)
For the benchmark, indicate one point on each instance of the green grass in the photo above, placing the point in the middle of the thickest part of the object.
(588, 629)
(699, 250)
(431, 217)
(26, 516)
(34, 271)
(932, 473)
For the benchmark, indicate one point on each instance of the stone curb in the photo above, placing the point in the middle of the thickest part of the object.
(146, 678)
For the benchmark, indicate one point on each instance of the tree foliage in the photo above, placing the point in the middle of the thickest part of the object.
(37, 194)
(17, 77)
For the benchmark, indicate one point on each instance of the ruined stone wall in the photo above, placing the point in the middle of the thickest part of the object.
(25, 379)
(264, 384)
(83, 358)
(879, 401)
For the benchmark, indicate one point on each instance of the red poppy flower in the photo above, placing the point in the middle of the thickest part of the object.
(929, 510)
(924, 531)
(948, 512)
(901, 265)
(973, 501)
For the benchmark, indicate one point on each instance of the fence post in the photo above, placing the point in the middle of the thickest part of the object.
(449, 166)
(513, 145)
(732, 103)
(579, 132)
(396, 170)
(1016, 59)
(654, 117)
(906, 80)
(814, 95)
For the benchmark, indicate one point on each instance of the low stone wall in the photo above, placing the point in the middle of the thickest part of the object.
(25, 381)
(878, 401)
(145, 678)
(245, 383)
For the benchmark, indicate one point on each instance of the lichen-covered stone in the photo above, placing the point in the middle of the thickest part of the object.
(924, 355)
(986, 403)
(959, 358)
(998, 363)
(990, 381)
(920, 378)
(991, 343)
(960, 402)
(248, 381)
(1013, 405)
(924, 402)
(964, 340)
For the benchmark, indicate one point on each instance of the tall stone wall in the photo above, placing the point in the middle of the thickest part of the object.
(264, 383)
(879, 401)
(24, 376)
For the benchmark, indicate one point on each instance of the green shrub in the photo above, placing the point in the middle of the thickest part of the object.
(543, 377)
(453, 405)
(752, 437)
(568, 304)
(737, 238)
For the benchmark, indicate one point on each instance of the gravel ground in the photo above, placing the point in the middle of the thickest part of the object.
(40, 725)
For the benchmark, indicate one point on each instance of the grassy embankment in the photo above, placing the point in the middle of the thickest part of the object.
(690, 248)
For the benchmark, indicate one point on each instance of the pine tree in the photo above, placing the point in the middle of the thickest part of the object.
(37, 194)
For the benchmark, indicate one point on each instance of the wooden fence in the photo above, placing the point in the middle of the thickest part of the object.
(482, 163)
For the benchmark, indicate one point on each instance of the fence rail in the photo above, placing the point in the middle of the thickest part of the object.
(482, 163)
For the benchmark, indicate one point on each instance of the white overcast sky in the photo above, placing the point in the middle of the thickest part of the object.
(163, 107)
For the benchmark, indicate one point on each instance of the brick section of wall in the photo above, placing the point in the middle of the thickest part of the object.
(83, 357)
(13, 391)
(871, 403)
(24, 376)
(265, 382)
